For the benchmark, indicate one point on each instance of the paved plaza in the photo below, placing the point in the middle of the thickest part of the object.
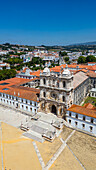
(36, 127)
(28, 150)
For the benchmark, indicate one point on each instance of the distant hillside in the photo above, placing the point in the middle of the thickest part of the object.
(86, 43)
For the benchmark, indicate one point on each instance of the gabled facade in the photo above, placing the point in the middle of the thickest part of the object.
(56, 91)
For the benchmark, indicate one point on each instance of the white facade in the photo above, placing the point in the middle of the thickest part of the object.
(26, 74)
(49, 58)
(81, 122)
(20, 103)
(93, 92)
(56, 91)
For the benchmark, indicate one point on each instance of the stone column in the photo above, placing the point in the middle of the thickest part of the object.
(58, 111)
(41, 81)
(47, 82)
(60, 84)
(46, 107)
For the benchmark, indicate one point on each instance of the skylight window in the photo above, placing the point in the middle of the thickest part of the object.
(2, 84)
(5, 89)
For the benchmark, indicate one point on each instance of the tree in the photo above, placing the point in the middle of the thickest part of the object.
(90, 58)
(63, 53)
(52, 64)
(66, 59)
(14, 60)
(7, 74)
(81, 59)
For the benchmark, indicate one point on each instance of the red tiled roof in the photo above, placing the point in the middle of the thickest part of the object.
(82, 110)
(14, 86)
(91, 74)
(88, 105)
(91, 62)
(36, 73)
(21, 93)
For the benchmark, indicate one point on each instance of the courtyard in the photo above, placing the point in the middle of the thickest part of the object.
(70, 149)
(91, 100)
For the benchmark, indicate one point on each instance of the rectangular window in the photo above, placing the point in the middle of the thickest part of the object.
(91, 128)
(83, 126)
(84, 118)
(76, 116)
(70, 121)
(76, 123)
(70, 114)
(92, 120)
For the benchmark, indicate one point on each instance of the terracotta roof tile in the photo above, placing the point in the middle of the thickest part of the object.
(13, 85)
(21, 93)
(82, 110)
(91, 74)
(88, 105)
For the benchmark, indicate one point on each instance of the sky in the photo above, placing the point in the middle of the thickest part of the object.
(47, 22)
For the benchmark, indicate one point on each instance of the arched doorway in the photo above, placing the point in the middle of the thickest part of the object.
(53, 109)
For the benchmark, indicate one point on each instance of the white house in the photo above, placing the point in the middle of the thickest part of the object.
(4, 65)
(20, 100)
(25, 73)
(15, 95)
(82, 118)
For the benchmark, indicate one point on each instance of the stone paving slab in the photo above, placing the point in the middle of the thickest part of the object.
(39, 155)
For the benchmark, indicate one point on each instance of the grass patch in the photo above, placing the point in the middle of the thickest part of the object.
(91, 100)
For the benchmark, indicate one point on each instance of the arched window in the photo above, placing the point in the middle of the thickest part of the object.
(44, 81)
(63, 98)
(71, 102)
(64, 83)
(44, 94)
